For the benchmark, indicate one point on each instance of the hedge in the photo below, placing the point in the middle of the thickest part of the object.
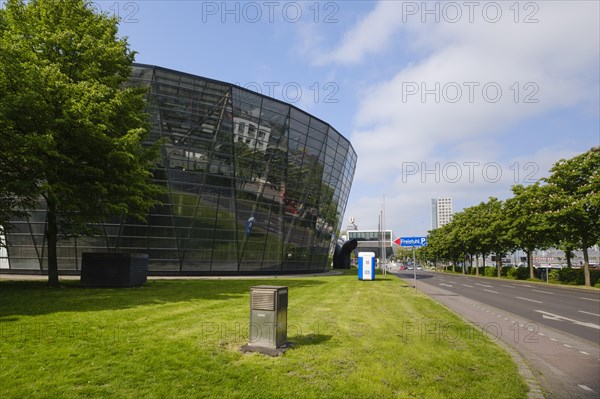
(519, 273)
(575, 276)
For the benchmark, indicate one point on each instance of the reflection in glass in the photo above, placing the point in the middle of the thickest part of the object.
(253, 185)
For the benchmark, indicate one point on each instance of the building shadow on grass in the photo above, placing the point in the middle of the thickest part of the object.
(31, 298)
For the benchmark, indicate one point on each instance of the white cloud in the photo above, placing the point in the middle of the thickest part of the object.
(372, 35)
(552, 63)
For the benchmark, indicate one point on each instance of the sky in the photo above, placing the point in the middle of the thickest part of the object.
(439, 99)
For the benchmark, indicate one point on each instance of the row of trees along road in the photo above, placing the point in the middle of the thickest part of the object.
(71, 132)
(561, 211)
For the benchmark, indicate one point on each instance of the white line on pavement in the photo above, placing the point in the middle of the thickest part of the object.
(493, 292)
(543, 292)
(509, 286)
(551, 316)
(467, 285)
(585, 353)
(585, 388)
(446, 285)
(593, 314)
(530, 300)
(590, 299)
(484, 285)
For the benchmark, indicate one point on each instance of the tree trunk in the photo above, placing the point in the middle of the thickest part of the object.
(51, 238)
(530, 263)
(470, 264)
(499, 264)
(586, 267)
(568, 255)
(477, 265)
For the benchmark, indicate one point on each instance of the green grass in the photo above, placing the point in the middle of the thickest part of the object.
(181, 339)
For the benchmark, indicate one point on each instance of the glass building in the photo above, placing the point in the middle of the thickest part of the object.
(254, 185)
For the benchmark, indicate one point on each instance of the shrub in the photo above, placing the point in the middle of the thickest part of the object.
(575, 276)
(471, 270)
(458, 269)
(522, 273)
(490, 271)
(569, 276)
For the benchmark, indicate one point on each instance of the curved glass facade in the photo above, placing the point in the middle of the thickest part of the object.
(254, 185)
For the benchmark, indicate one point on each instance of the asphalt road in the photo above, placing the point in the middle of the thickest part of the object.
(555, 330)
(573, 311)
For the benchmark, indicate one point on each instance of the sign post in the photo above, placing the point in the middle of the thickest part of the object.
(413, 242)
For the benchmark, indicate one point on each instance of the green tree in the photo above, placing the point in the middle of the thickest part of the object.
(497, 233)
(444, 244)
(529, 225)
(575, 200)
(463, 236)
(68, 116)
(477, 233)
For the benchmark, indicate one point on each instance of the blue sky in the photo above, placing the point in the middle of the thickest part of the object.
(459, 99)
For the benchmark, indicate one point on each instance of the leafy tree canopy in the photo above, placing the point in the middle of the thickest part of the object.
(68, 119)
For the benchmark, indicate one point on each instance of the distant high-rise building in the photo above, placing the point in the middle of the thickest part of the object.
(441, 212)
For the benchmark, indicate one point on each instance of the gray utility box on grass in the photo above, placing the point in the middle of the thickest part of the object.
(268, 316)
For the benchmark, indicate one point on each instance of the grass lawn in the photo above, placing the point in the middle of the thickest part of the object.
(180, 339)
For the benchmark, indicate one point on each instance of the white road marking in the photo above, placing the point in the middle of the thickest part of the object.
(585, 388)
(590, 299)
(553, 339)
(493, 292)
(527, 299)
(467, 285)
(543, 292)
(484, 285)
(593, 314)
(585, 353)
(567, 346)
(509, 286)
(446, 285)
(551, 316)
(527, 285)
